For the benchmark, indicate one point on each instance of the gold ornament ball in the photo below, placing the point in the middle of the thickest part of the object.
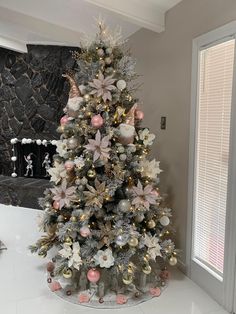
(42, 253)
(73, 219)
(151, 224)
(68, 241)
(67, 273)
(86, 97)
(127, 279)
(146, 269)
(91, 173)
(173, 261)
(133, 242)
(147, 257)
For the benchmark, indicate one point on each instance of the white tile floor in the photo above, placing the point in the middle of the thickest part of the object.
(23, 289)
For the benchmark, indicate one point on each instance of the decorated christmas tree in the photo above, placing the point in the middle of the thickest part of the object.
(104, 218)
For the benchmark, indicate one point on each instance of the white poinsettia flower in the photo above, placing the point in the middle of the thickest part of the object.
(57, 173)
(61, 147)
(79, 162)
(72, 254)
(66, 252)
(146, 137)
(104, 258)
(154, 248)
(150, 169)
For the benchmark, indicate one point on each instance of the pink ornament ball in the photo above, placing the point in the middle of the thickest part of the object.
(84, 298)
(97, 121)
(85, 232)
(139, 115)
(155, 292)
(121, 299)
(64, 120)
(93, 275)
(69, 165)
(55, 286)
(56, 205)
(50, 267)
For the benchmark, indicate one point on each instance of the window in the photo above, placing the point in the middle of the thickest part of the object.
(216, 64)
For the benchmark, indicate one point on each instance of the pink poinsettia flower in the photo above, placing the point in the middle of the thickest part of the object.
(99, 147)
(63, 195)
(143, 196)
(102, 86)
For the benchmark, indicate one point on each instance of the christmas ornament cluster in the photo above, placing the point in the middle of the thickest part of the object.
(105, 218)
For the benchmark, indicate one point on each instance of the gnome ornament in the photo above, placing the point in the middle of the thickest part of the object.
(75, 99)
(127, 129)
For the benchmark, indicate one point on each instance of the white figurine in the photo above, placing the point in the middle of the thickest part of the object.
(29, 167)
(46, 164)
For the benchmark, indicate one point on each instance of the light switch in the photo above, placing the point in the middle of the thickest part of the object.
(163, 123)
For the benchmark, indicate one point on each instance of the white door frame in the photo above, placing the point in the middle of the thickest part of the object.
(223, 292)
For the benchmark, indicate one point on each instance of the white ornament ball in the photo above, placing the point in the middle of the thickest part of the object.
(14, 175)
(84, 181)
(38, 142)
(108, 60)
(28, 141)
(173, 261)
(165, 221)
(139, 218)
(24, 141)
(45, 142)
(13, 158)
(124, 205)
(121, 239)
(14, 141)
(121, 84)
(109, 51)
(121, 149)
(123, 157)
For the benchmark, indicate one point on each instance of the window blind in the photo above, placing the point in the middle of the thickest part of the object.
(211, 155)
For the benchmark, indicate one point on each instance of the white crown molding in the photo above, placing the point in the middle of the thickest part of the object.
(13, 44)
(143, 13)
(30, 30)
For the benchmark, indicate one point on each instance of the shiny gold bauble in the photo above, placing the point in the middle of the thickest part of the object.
(91, 173)
(68, 241)
(146, 268)
(42, 253)
(146, 257)
(173, 261)
(127, 279)
(133, 242)
(86, 97)
(67, 273)
(151, 224)
(73, 219)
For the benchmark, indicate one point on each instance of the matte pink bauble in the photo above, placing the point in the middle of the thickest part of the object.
(64, 120)
(85, 232)
(93, 275)
(56, 205)
(69, 165)
(55, 286)
(139, 115)
(50, 267)
(97, 121)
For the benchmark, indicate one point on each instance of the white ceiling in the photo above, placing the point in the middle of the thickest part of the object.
(62, 22)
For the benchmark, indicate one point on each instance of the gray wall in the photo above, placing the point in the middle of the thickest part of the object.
(165, 60)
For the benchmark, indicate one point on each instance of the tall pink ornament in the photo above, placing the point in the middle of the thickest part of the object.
(56, 205)
(97, 121)
(85, 232)
(64, 120)
(93, 275)
(139, 115)
(69, 165)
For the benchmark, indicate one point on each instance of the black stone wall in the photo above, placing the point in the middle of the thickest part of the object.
(32, 95)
